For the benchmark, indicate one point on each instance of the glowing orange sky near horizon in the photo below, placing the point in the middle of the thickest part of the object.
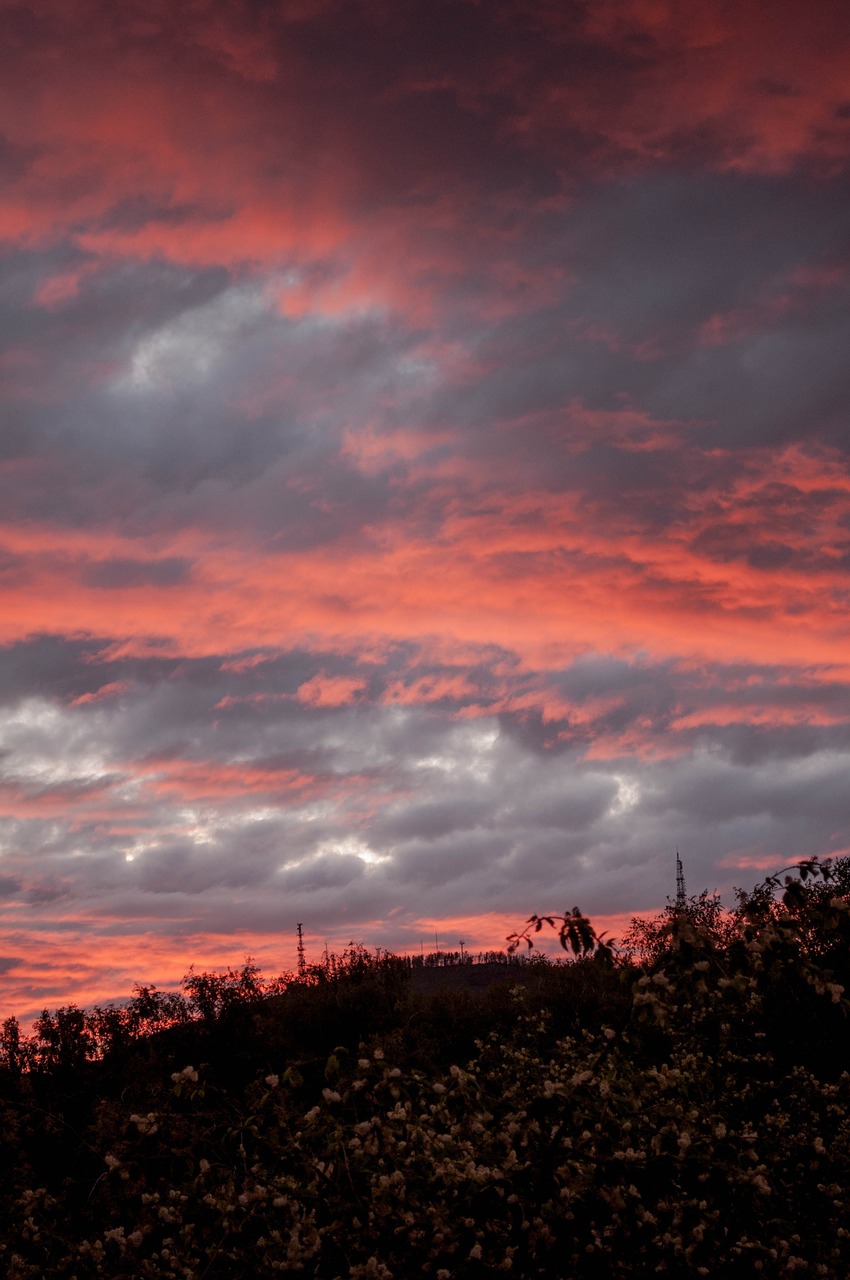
(70, 969)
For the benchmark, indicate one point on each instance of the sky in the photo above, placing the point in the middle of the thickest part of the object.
(424, 485)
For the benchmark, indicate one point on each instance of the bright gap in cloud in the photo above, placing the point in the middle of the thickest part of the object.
(38, 738)
(352, 847)
(628, 796)
(200, 827)
(469, 751)
(187, 350)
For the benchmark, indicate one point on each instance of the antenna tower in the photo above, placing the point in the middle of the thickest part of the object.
(681, 896)
(302, 955)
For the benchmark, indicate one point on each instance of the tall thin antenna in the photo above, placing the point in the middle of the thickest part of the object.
(302, 954)
(681, 896)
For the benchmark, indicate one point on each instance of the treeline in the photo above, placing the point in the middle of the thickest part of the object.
(69, 1036)
(677, 1107)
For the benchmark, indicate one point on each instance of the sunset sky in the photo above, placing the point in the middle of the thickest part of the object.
(424, 470)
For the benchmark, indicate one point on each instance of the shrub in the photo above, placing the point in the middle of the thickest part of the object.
(680, 1127)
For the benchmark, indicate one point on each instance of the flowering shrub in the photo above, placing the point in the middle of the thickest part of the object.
(689, 1135)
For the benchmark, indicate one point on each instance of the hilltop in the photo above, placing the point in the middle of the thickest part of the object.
(683, 1109)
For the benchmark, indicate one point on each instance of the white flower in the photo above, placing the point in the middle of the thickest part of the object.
(272, 1081)
(331, 1095)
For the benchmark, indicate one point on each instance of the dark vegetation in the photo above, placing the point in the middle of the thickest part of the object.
(679, 1106)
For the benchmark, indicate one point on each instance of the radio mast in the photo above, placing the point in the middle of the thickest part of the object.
(302, 955)
(681, 896)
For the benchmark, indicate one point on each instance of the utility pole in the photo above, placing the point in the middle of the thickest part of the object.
(681, 896)
(302, 955)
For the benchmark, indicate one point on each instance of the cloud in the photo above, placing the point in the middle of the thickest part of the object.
(424, 469)
(118, 573)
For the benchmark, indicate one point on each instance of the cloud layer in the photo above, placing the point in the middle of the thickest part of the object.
(424, 469)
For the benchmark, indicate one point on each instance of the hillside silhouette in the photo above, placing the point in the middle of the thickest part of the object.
(678, 1106)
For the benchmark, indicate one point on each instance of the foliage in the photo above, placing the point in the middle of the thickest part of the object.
(575, 934)
(687, 1114)
(652, 940)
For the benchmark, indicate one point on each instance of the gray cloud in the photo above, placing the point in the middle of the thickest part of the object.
(113, 574)
(399, 805)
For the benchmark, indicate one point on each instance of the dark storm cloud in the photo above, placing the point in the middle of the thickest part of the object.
(718, 303)
(209, 410)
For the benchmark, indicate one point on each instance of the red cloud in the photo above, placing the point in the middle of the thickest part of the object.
(226, 137)
(330, 691)
(110, 690)
(537, 573)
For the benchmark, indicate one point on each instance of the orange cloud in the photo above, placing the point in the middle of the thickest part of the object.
(330, 691)
(110, 690)
(92, 964)
(204, 780)
(533, 572)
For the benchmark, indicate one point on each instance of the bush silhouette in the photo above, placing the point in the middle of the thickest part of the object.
(682, 1109)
